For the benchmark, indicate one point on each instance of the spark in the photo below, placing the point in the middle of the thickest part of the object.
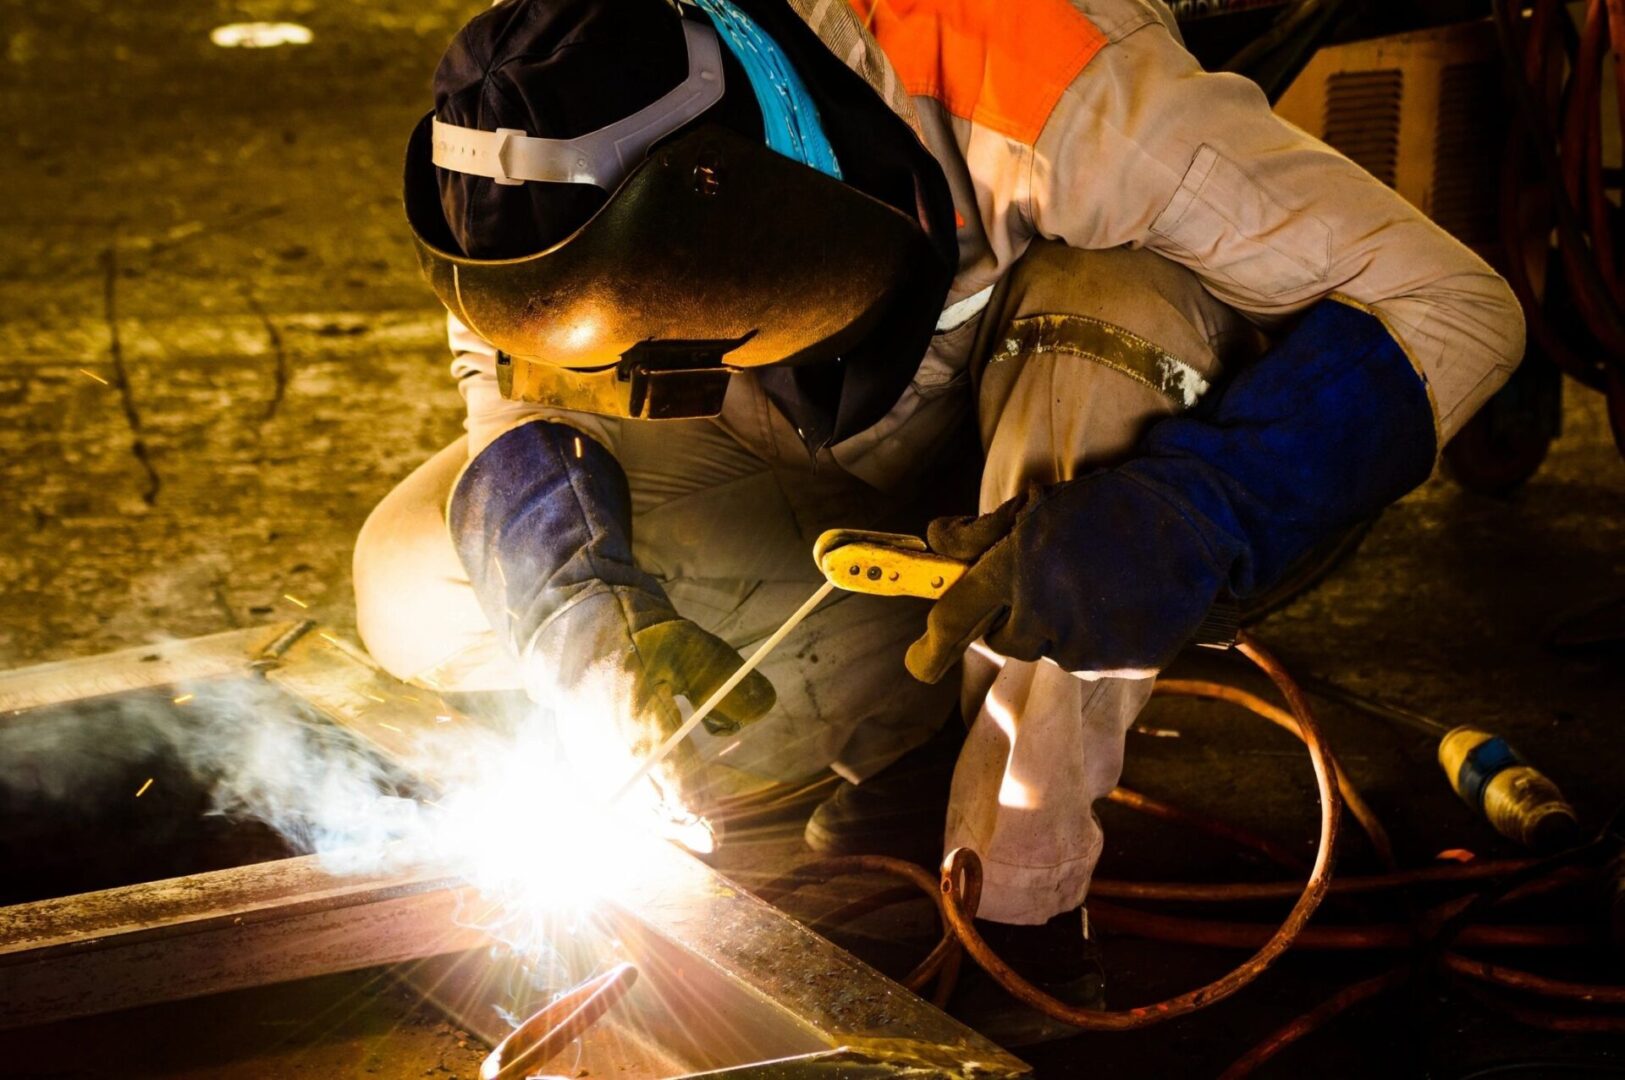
(144, 788)
(730, 748)
(92, 375)
(392, 727)
(1156, 732)
(374, 697)
(295, 601)
(578, 446)
(330, 639)
(501, 574)
(183, 699)
(442, 719)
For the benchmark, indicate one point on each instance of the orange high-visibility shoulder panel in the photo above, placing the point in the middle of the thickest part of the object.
(999, 63)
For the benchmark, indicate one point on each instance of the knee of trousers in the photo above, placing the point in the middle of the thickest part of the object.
(414, 604)
(1083, 350)
(1134, 290)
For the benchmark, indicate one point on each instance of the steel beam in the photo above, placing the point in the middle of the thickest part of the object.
(726, 980)
(223, 930)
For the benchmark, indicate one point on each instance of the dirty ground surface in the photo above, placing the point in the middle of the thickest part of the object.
(216, 356)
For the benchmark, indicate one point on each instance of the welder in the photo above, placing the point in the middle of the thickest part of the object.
(724, 274)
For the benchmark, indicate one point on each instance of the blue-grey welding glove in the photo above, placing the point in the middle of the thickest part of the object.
(542, 519)
(1113, 572)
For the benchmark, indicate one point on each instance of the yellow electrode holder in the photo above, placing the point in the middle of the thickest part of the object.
(896, 564)
(885, 564)
(1517, 799)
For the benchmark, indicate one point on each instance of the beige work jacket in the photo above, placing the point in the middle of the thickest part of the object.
(1087, 121)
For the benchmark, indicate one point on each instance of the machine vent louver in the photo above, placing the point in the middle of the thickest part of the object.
(1362, 118)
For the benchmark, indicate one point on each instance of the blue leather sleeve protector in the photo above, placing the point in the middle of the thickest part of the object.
(1118, 568)
(1328, 427)
(541, 517)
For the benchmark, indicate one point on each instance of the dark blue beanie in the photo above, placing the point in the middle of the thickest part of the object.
(559, 69)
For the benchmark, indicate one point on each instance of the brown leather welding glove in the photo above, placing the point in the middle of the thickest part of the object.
(691, 662)
(611, 666)
(1106, 575)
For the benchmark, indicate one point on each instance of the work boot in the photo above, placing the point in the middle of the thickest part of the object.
(901, 811)
(1056, 957)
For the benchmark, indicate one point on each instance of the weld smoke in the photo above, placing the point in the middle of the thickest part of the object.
(256, 757)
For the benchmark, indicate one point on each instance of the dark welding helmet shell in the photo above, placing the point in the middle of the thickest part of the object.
(712, 238)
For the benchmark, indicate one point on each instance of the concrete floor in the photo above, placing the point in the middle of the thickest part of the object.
(216, 355)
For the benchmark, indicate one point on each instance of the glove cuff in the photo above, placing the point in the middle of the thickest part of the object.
(542, 519)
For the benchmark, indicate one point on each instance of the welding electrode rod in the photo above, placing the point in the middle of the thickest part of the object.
(724, 690)
(556, 1025)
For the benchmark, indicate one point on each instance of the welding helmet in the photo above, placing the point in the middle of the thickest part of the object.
(708, 254)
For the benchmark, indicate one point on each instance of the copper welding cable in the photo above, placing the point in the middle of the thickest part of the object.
(1523, 240)
(1239, 935)
(954, 955)
(1199, 892)
(1350, 996)
(557, 1025)
(1583, 81)
(932, 965)
(941, 965)
(948, 978)
(1243, 935)
(1234, 695)
(1555, 879)
(1596, 304)
(1593, 293)
(1510, 978)
(1616, 44)
(941, 962)
(1569, 1023)
(1524, 237)
(962, 872)
(1459, 923)
(1531, 983)
(1311, 1021)
(1585, 102)
(1599, 299)
(1223, 830)
(936, 964)
(869, 904)
(835, 866)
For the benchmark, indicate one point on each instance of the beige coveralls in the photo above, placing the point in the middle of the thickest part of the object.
(1106, 184)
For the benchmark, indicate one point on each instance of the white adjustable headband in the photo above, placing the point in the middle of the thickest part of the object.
(601, 158)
